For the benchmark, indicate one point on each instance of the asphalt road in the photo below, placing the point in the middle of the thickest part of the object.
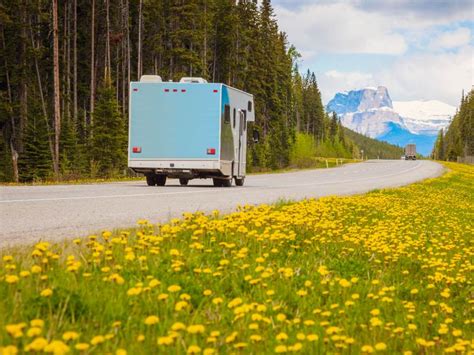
(30, 213)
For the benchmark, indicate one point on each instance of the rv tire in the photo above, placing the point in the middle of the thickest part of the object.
(217, 182)
(150, 180)
(160, 180)
(227, 182)
(183, 181)
(239, 181)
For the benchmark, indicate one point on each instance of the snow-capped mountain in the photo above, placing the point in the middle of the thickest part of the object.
(370, 111)
(425, 116)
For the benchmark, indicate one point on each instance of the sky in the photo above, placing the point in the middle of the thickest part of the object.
(418, 49)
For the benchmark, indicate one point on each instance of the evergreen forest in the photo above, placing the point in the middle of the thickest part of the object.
(66, 67)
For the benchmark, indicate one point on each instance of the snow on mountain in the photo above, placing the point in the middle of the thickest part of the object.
(425, 116)
(424, 110)
(370, 111)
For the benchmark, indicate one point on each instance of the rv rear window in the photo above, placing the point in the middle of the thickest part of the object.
(250, 106)
(226, 114)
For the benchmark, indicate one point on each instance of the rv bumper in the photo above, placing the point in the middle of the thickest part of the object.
(182, 168)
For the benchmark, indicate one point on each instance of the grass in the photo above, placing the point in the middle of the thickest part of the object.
(74, 181)
(385, 272)
(312, 163)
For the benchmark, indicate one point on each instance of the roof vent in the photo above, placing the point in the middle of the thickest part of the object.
(193, 80)
(151, 79)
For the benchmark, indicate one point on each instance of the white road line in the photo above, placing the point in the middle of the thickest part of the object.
(205, 190)
(108, 196)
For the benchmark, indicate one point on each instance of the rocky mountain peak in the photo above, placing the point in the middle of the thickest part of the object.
(360, 100)
(375, 99)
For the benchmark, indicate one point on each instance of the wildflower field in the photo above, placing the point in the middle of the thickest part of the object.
(385, 272)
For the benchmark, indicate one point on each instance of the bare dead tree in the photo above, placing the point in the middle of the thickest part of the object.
(92, 98)
(74, 64)
(57, 113)
(107, 42)
(140, 26)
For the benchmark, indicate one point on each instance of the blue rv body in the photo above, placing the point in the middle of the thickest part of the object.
(188, 129)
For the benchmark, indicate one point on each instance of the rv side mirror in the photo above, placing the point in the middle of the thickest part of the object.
(256, 136)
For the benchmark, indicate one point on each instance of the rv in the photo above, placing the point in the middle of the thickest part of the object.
(189, 129)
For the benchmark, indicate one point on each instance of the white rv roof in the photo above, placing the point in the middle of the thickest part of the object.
(193, 80)
(151, 79)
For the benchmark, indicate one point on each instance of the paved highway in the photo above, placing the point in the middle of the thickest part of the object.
(30, 213)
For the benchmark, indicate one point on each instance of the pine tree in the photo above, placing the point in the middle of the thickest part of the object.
(109, 138)
(36, 162)
(438, 152)
(69, 152)
(333, 127)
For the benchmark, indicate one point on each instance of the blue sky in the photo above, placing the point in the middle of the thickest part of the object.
(418, 49)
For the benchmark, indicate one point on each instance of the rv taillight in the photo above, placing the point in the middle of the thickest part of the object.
(135, 89)
(175, 90)
(137, 149)
(211, 151)
(214, 90)
(167, 90)
(183, 90)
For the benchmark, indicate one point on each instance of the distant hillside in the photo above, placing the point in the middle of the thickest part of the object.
(373, 148)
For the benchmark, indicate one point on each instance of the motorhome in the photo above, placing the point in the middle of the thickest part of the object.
(189, 129)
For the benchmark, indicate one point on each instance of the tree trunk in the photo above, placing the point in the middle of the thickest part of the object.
(23, 85)
(129, 65)
(57, 113)
(14, 154)
(107, 42)
(16, 175)
(40, 89)
(92, 98)
(74, 64)
(140, 25)
(68, 62)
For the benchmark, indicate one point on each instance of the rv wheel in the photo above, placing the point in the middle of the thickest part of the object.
(150, 180)
(183, 181)
(227, 182)
(217, 182)
(239, 181)
(160, 180)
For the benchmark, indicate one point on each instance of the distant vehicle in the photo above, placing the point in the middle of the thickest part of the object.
(188, 129)
(410, 152)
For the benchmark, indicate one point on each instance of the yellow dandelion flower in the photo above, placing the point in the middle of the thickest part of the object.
(38, 344)
(166, 340)
(194, 349)
(98, 339)
(281, 349)
(174, 288)
(57, 347)
(151, 320)
(70, 336)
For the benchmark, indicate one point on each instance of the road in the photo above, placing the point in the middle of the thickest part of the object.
(55, 212)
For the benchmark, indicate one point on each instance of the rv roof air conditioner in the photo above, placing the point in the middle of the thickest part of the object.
(193, 80)
(151, 79)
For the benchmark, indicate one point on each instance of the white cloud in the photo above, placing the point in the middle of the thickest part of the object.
(426, 62)
(334, 81)
(452, 39)
(339, 28)
(428, 75)
(425, 76)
